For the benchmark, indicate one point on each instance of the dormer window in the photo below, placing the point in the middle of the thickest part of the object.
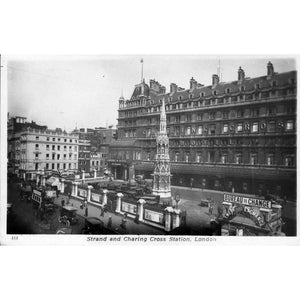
(190, 96)
(180, 98)
(242, 88)
(257, 86)
(274, 83)
(215, 93)
(227, 91)
(202, 94)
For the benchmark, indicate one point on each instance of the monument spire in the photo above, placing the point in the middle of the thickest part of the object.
(162, 175)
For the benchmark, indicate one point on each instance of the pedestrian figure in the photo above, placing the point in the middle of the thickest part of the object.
(123, 224)
(211, 208)
(102, 212)
(109, 223)
(86, 211)
(136, 219)
(220, 211)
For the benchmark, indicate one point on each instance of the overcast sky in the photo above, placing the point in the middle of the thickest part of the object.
(62, 91)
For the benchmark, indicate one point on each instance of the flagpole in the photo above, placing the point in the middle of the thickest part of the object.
(142, 62)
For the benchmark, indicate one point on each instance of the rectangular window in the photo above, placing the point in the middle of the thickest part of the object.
(69, 165)
(64, 166)
(225, 128)
(36, 166)
(53, 166)
(58, 147)
(47, 156)
(224, 158)
(238, 158)
(48, 139)
(254, 127)
(65, 148)
(53, 147)
(289, 125)
(58, 156)
(70, 148)
(36, 146)
(53, 156)
(65, 156)
(53, 139)
(65, 140)
(36, 155)
(240, 127)
(58, 166)
(200, 129)
(270, 159)
(188, 130)
(271, 126)
(47, 166)
(253, 159)
(47, 147)
(212, 129)
(36, 137)
(289, 161)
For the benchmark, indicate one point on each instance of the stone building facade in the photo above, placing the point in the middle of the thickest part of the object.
(231, 136)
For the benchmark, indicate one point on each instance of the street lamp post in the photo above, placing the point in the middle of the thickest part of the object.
(177, 199)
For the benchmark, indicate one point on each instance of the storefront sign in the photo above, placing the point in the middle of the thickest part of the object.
(128, 207)
(37, 196)
(154, 216)
(238, 199)
(255, 215)
(96, 197)
(82, 193)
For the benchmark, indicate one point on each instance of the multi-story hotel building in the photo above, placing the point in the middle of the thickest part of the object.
(47, 150)
(232, 136)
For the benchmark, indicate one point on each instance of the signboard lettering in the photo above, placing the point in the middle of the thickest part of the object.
(154, 216)
(96, 197)
(82, 193)
(128, 207)
(238, 199)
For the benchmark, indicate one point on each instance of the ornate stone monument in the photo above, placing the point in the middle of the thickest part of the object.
(162, 175)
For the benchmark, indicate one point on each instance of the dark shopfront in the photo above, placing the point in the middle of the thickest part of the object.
(121, 170)
(255, 186)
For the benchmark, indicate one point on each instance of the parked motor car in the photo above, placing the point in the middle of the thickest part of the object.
(68, 213)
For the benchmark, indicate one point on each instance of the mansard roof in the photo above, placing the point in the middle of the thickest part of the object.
(248, 85)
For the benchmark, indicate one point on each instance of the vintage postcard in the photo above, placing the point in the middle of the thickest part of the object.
(149, 149)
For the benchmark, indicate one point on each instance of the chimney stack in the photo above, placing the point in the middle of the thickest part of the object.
(270, 69)
(193, 83)
(241, 74)
(173, 88)
(215, 79)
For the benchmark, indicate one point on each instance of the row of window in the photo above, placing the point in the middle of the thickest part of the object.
(58, 148)
(226, 114)
(227, 99)
(57, 166)
(288, 160)
(57, 139)
(226, 128)
(238, 128)
(56, 156)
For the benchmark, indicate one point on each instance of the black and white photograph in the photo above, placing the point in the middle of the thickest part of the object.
(145, 148)
(148, 149)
